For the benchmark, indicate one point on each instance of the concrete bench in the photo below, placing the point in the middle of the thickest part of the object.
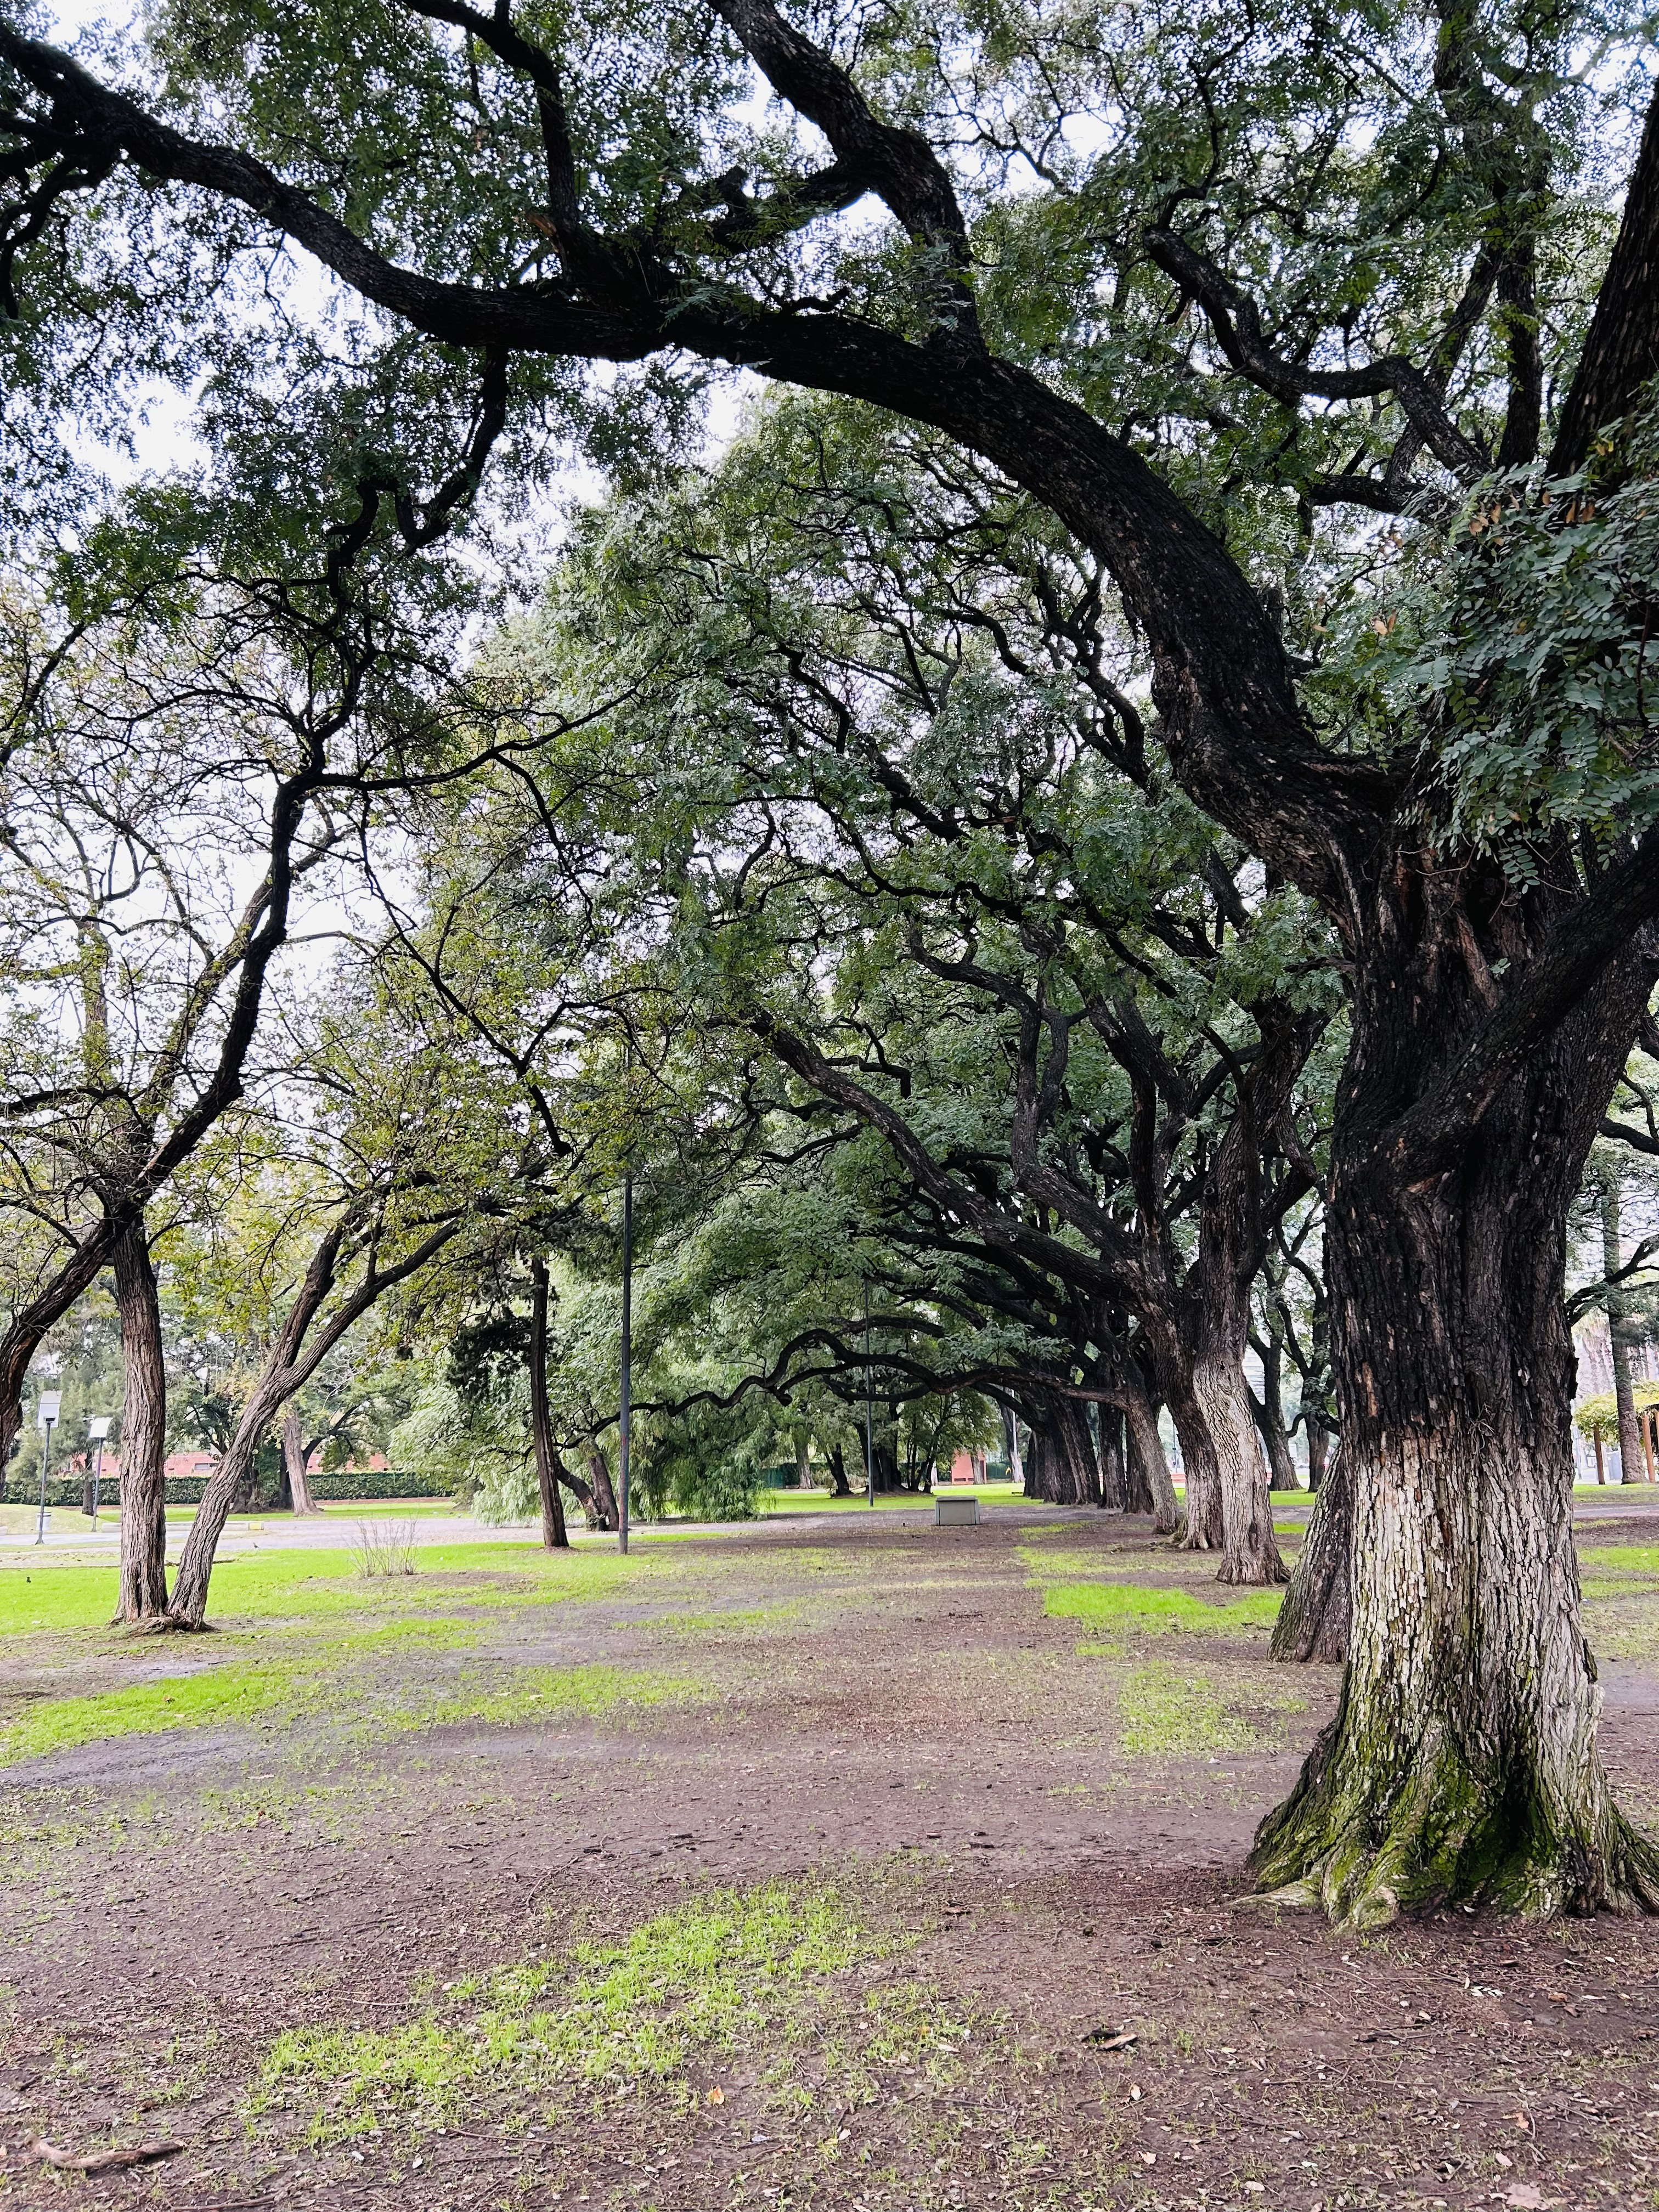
(958, 1512)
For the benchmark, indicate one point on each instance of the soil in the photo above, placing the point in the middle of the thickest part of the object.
(1022, 1814)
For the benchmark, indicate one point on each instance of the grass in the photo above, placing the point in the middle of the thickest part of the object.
(727, 1970)
(1126, 1606)
(292, 1584)
(1167, 1712)
(344, 1678)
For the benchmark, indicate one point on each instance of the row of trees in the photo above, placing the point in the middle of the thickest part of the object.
(1122, 824)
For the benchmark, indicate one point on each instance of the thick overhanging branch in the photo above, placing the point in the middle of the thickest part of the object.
(1236, 322)
(1430, 1138)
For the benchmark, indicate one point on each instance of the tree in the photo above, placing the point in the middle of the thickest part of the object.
(1486, 858)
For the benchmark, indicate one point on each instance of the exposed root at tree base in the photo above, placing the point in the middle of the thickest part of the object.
(1442, 1841)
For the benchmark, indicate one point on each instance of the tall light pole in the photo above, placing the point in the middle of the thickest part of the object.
(626, 1350)
(46, 1419)
(97, 1431)
(869, 1424)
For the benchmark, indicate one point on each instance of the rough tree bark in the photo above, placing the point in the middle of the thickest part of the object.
(1313, 1621)
(1269, 1412)
(602, 1504)
(143, 1594)
(1620, 1332)
(1114, 1467)
(1463, 1758)
(1151, 1487)
(555, 1535)
(294, 1459)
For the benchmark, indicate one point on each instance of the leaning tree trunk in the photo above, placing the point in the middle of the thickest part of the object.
(602, 1507)
(839, 1486)
(1619, 1334)
(1313, 1621)
(1249, 1551)
(143, 1589)
(1151, 1480)
(1270, 1418)
(1462, 1762)
(294, 1459)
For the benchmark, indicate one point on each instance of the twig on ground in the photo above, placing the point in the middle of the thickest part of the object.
(101, 2161)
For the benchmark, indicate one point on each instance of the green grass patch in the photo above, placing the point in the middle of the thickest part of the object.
(589, 1692)
(730, 1970)
(295, 1584)
(1132, 1607)
(1168, 1712)
(206, 1699)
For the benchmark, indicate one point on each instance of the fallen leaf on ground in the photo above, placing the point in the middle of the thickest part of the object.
(1523, 2196)
(101, 2161)
(1111, 2039)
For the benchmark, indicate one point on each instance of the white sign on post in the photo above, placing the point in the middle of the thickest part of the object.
(99, 1430)
(46, 1413)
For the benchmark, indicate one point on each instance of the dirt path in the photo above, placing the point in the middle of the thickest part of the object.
(883, 1867)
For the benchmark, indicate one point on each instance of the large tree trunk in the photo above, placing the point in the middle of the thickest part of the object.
(602, 1506)
(229, 1478)
(294, 1459)
(1463, 1759)
(1151, 1487)
(839, 1486)
(555, 1535)
(1250, 1552)
(1313, 1621)
(1620, 1332)
(1269, 1413)
(1199, 1525)
(1113, 1462)
(143, 1588)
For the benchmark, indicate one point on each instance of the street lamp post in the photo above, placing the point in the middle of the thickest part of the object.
(97, 1431)
(46, 1419)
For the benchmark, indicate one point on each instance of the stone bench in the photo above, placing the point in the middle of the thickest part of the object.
(957, 1512)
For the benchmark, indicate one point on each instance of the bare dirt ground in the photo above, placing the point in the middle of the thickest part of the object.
(817, 1864)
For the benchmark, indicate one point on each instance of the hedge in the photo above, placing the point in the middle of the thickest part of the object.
(189, 1489)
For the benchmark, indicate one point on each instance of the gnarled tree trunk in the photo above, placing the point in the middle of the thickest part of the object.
(1114, 1467)
(1313, 1621)
(1151, 1487)
(1630, 1466)
(294, 1459)
(1250, 1551)
(602, 1506)
(143, 1593)
(1463, 1759)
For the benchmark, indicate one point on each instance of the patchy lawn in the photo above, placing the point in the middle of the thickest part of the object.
(832, 1862)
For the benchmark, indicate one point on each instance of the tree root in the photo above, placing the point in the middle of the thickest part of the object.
(1439, 1839)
